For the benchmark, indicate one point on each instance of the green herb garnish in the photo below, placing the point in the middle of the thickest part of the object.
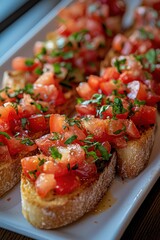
(55, 153)
(71, 139)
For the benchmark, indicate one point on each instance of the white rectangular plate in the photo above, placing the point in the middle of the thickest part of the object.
(128, 195)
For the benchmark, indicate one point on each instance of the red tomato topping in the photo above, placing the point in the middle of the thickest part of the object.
(57, 123)
(144, 115)
(66, 184)
(45, 183)
(37, 123)
(137, 90)
(85, 91)
(84, 110)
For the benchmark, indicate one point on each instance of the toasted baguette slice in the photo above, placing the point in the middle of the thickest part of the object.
(65, 209)
(10, 172)
(9, 175)
(132, 159)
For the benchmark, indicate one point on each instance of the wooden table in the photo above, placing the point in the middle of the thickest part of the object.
(145, 225)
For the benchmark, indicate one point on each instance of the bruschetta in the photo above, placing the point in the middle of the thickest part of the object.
(69, 176)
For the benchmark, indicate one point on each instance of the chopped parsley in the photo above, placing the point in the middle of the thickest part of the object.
(117, 107)
(29, 62)
(40, 107)
(120, 64)
(24, 121)
(38, 71)
(27, 141)
(145, 34)
(41, 161)
(55, 153)
(139, 102)
(120, 130)
(5, 134)
(71, 139)
(57, 68)
(55, 136)
(96, 98)
(28, 88)
(33, 172)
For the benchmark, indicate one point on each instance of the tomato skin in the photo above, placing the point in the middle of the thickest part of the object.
(66, 184)
(37, 123)
(108, 113)
(118, 42)
(97, 127)
(110, 73)
(144, 116)
(85, 91)
(15, 146)
(57, 122)
(121, 127)
(93, 82)
(45, 183)
(86, 171)
(19, 64)
(137, 90)
(84, 110)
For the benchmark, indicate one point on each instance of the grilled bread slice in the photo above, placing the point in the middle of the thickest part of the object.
(132, 159)
(61, 210)
(10, 170)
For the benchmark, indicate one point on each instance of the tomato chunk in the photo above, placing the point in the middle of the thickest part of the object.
(45, 183)
(66, 184)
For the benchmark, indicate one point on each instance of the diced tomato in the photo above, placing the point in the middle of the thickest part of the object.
(129, 76)
(66, 184)
(45, 183)
(131, 129)
(118, 42)
(116, 127)
(55, 168)
(84, 109)
(144, 116)
(60, 98)
(93, 82)
(108, 87)
(45, 142)
(86, 171)
(110, 73)
(31, 167)
(57, 123)
(152, 99)
(72, 154)
(20, 64)
(37, 123)
(137, 90)
(108, 113)
(74, 130)
(85, 91)
(122, 127)
(15, 146)
(97, 127)
(46, 79)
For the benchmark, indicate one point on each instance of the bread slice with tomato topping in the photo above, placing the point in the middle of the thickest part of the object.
(132, 159)
(69, 176)
(59, 210)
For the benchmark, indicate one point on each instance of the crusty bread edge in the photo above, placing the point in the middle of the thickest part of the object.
(10, 174)
(65, 209)
(132, 159)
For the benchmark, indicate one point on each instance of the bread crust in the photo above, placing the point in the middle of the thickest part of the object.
(132, 159)
(65, 209)
(10, 173)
